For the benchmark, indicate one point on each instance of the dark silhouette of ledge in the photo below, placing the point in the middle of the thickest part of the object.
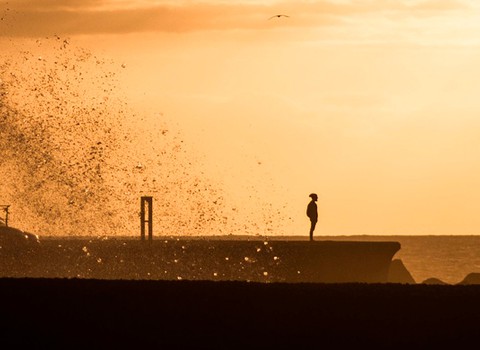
(204, 259)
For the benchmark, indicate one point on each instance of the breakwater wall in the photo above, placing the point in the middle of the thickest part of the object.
(203, 259)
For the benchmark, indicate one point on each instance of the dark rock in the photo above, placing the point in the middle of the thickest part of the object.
(434, 280)
(398, 273)
(10, 236)
(471, 278)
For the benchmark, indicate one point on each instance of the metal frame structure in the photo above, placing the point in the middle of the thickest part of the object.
(146, 217)
(4, 207)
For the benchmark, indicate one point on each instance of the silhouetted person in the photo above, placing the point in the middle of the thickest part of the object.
(312, 213)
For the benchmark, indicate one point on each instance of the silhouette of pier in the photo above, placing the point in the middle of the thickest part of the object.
(203, 258)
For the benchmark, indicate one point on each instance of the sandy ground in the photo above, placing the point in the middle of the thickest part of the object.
(88, 313)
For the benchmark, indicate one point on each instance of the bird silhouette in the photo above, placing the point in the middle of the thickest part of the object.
(279, 16)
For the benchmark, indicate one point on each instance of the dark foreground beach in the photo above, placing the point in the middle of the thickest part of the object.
(89, 313)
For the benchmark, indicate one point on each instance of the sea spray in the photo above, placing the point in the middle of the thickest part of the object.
(75, 157)
(72, 161)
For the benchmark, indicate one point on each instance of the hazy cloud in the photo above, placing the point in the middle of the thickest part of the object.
(50, 5)
(39, 18)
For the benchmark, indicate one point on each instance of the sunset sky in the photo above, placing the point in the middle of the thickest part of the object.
(372, 104)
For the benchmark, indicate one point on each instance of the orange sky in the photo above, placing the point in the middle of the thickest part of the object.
(371, 104)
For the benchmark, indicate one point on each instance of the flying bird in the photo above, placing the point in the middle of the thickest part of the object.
(279, 16)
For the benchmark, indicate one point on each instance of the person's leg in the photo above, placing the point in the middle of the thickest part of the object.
(312, 228)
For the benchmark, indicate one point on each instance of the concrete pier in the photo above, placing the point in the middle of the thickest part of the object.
(256, 260)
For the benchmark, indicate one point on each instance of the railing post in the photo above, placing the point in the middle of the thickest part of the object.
(146, 200)
(5, 209)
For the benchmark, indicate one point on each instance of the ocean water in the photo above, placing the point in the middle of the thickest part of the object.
(448, 258)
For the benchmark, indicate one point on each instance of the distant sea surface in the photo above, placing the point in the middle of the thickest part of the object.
(448, 258)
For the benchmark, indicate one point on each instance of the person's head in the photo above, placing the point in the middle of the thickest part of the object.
(313, 196)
